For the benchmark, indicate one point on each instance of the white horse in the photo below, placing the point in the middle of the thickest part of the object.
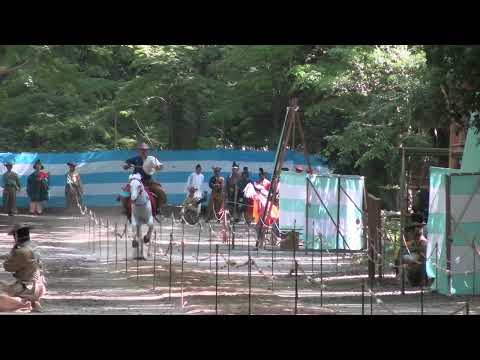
(141, 214)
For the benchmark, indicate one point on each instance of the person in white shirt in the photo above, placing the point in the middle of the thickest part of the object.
(196, 180)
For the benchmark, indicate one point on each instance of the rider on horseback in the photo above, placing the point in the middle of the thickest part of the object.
(146, 166)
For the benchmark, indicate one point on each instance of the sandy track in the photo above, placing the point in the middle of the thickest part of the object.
(82, 281)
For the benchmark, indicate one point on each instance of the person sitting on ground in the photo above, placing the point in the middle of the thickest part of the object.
(415, 249)
(192, 202)
(11, 185)
(25, 264)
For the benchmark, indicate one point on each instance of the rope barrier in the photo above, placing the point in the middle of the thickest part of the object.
(85, 211)
(380, 302)
(459, 310)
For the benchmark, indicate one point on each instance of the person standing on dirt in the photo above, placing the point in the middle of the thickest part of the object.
(233, 191)
(25, 264)
(146, 166)
(215, 204)
(37, 188)
(73, 187)
(246, 204)
(11, 184)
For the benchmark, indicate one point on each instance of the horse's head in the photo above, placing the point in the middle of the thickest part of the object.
(136, 186)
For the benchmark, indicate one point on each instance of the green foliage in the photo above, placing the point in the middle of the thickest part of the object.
(358, 103)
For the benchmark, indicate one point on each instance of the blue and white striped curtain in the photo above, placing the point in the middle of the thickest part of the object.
(103, 176)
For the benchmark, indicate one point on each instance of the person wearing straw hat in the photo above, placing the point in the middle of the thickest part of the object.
(37, 188)
(11, 185)
(192, 202)
(73, 187)
(25, 264)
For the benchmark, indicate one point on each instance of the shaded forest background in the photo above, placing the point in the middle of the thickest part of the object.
(359, 103)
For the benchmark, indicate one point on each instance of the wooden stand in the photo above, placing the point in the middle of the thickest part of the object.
(287, 136)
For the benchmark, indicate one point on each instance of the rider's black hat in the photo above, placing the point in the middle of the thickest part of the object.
(38, 162)
(22, 232)
(414, 220)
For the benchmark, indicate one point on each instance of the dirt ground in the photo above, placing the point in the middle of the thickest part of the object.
(87, 274)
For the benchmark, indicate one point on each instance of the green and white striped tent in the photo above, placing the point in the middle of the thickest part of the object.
(454, 214)
(331, 198)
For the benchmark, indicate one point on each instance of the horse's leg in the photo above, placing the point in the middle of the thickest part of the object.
(134, 231)
(150, 229)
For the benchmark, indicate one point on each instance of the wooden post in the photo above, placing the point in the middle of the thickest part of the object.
(321, 270)
(116, 245)
(373, 219)
(210, 249)
(108, 243)
(100, 237)
(181, 278)
(126, 249)
(448, 212)
(296, 286)
(402, 217)
(89, 229)
(154, 258)
(307, 223)
(170, 270)
(363, 297)
(249, 284)
(198, 242)
(93, 235)
(216, 279)
(115, 127)
(338, 219)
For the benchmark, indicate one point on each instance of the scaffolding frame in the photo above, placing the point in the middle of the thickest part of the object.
(411, 151)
